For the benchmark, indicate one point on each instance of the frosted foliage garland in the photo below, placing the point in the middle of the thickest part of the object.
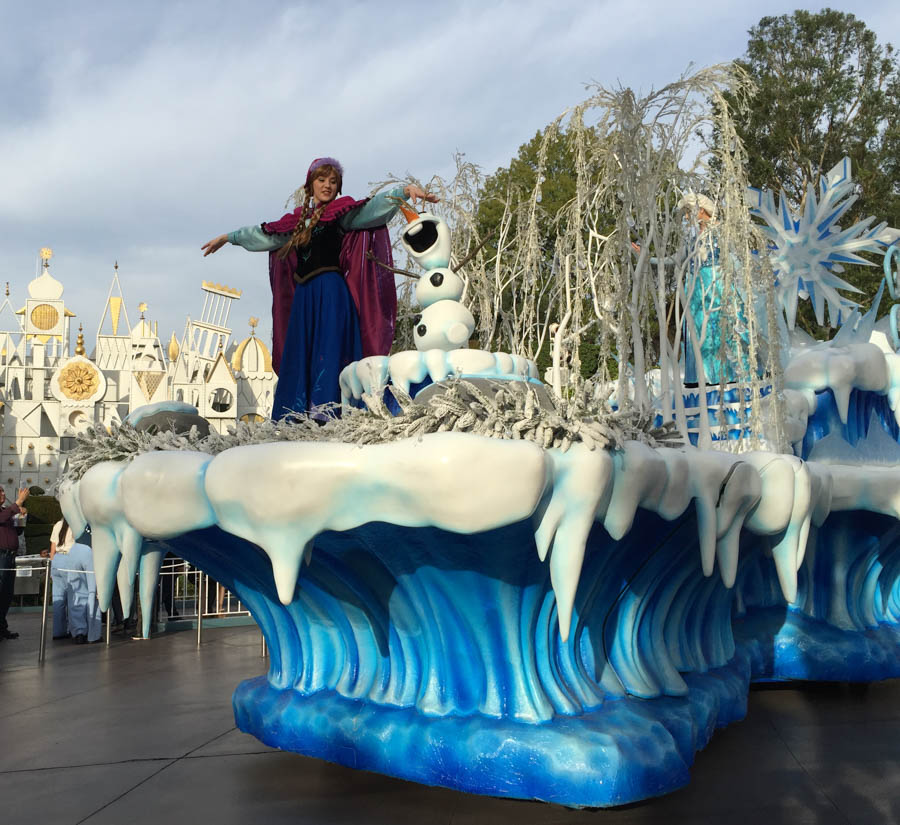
(508, 410)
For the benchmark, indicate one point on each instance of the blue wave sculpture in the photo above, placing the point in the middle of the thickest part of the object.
(512, 621)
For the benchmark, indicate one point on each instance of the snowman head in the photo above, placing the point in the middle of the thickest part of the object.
(440, 284)
(427, 239)
(443, 325)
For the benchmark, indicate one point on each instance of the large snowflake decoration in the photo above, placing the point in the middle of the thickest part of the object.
(808, 247)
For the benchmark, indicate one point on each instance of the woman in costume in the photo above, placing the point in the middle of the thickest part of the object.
(331, 302)
(704, 292)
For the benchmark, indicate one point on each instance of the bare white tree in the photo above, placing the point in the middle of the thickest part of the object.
(621, 270)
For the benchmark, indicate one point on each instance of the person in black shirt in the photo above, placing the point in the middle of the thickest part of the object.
(9, 548)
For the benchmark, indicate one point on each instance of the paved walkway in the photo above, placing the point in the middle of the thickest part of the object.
(142, 732)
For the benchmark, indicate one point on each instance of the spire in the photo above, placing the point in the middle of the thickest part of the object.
(45, 287)
(173, 348)
(114, 308)
(79, 343)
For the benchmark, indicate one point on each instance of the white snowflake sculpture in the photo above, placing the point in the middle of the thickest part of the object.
(809, 248)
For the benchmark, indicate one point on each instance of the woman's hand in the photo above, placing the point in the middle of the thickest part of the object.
(23, 494)
(214, 245)
(416, 193)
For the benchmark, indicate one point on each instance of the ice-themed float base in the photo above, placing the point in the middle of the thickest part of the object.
(617, 754)
(456, 637)
(557, 626)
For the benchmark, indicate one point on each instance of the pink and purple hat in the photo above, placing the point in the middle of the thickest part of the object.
(318, 163)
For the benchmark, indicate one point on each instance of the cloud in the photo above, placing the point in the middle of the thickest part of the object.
(135, 133)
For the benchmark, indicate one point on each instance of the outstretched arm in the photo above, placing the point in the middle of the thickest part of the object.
(214, 245)
(251, 238)
(381, 208)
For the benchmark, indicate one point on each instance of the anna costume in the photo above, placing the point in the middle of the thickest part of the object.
(331, 303)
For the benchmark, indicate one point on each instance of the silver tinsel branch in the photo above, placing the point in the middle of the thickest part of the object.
(506, 410)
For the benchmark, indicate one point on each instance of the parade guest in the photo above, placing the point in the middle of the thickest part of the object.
(61, 541)
(80, 587)
(342, 304)
(9, 547)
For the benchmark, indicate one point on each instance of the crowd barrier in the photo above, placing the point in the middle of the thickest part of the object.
(188, 588)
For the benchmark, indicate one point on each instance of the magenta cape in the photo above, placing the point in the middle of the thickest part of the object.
(372, 286)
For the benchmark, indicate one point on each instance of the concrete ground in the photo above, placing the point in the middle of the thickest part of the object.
(142, 732)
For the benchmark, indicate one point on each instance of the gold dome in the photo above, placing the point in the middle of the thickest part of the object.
(257, 354)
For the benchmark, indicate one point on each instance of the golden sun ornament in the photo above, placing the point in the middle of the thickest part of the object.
(78, 381)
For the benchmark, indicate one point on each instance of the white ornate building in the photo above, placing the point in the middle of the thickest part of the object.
(48, 395)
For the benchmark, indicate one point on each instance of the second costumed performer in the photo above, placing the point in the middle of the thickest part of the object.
(331, 304)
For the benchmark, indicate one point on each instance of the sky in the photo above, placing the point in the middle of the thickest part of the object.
(135, 132)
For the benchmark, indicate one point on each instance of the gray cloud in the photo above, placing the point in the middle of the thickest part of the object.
(136, 132)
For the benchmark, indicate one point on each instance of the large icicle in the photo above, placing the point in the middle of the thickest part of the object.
(449, 480)
(581, 487)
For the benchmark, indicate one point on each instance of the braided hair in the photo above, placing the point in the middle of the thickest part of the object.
(309, 216)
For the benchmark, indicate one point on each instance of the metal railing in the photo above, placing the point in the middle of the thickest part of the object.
(31, 565)
(184, 591)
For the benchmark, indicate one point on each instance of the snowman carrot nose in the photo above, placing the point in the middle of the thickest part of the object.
(408, 212)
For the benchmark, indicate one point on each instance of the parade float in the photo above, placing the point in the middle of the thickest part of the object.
(559, 590)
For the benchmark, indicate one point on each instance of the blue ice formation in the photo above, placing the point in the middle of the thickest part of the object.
(845, 623)
(494, 617)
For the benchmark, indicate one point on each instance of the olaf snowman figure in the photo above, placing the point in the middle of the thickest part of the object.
(445, 324)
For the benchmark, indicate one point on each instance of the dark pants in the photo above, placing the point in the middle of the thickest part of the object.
(7, 584)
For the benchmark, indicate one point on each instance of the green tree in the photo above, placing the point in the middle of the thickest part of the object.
(520, 177)
(826, 88)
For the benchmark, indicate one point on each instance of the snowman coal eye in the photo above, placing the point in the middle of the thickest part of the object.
(421, 330)
(437, 279)
(417, 319)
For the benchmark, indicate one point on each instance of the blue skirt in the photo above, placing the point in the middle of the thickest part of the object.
(322, 338)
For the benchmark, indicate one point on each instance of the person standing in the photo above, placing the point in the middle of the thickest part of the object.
(61, 541)
(332, 304)
(85, 623)
(9, 547)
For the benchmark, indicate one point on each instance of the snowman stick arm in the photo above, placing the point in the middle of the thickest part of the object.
(393, 269)
(475, 251)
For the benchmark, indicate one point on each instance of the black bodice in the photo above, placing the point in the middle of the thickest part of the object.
(322, 253)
